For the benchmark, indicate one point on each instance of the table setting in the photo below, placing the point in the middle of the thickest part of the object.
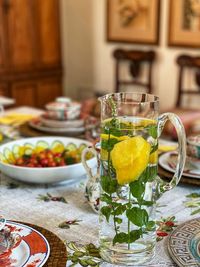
(101, 205)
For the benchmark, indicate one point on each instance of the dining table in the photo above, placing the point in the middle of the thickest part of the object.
(62, 209)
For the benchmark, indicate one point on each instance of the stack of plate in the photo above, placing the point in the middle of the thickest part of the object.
(63, 117)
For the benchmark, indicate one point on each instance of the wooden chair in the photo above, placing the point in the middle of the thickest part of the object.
(189, 114)
(135, 59)
(188, 62)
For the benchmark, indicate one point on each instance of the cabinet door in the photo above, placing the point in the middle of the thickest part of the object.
(24, 93)
(47, 13)
(47, 91)
(2, 37)
(4, 90)
(21, 34)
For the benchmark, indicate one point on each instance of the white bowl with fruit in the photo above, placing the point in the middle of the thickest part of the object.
(44, 159)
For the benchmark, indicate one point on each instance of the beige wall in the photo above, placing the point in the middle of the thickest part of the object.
(87, 57)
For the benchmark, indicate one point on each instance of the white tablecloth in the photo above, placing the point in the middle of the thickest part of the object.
(19, 201)
(22, 204)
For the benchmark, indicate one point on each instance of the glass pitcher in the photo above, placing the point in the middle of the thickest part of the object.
(127, 180)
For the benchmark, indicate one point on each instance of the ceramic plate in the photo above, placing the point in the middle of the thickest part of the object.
(184, 244)
(168, 162)
(38, 125)
(33, 250)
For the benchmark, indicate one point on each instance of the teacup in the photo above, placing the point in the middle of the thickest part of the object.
(63, 111)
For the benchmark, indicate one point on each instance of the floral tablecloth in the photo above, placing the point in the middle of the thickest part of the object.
(63, 209)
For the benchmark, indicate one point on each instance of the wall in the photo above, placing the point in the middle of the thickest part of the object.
(88, 63)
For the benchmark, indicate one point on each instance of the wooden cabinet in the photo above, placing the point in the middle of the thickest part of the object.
(4, 89)
(2, 39)
(48, 32)
(30, 53)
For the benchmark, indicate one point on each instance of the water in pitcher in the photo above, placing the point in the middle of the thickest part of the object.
(128, 185)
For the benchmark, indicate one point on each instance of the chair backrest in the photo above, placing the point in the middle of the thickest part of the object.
(135, 60)
(188, 62)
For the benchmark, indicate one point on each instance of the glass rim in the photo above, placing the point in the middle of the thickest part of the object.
(145, 97)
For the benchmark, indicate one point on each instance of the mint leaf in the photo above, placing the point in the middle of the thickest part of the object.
(108, 144)
(120, 238)
(149, 174)
(108, 184)
(106, 211)
(120, 209)
(138, 216)
(118, 220)
(152, 131)
(106, 198)
(137, 189)
(134, 235)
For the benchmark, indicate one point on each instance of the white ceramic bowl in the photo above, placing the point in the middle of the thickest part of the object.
(42, 174)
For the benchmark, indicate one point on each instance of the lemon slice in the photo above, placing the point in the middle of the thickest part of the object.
(130, 158)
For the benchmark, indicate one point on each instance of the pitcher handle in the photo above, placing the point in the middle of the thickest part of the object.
(175, 120)
(84, 162)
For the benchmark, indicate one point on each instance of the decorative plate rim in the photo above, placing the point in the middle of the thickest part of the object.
(47, 253)
(179, 242)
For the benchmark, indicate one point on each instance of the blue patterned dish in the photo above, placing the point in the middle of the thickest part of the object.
(184, 244)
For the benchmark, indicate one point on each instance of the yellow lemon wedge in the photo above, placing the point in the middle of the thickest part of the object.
(130, 158)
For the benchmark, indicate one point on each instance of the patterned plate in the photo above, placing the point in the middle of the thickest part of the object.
(33, 250)
(168, 162)
(184, 244)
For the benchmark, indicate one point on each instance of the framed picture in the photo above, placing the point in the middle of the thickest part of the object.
(184, 23)
(133, 21)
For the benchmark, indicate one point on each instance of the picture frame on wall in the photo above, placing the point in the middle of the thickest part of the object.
(184, 23)
(133, 21)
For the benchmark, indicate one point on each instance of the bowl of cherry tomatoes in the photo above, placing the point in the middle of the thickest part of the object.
(44, 159)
